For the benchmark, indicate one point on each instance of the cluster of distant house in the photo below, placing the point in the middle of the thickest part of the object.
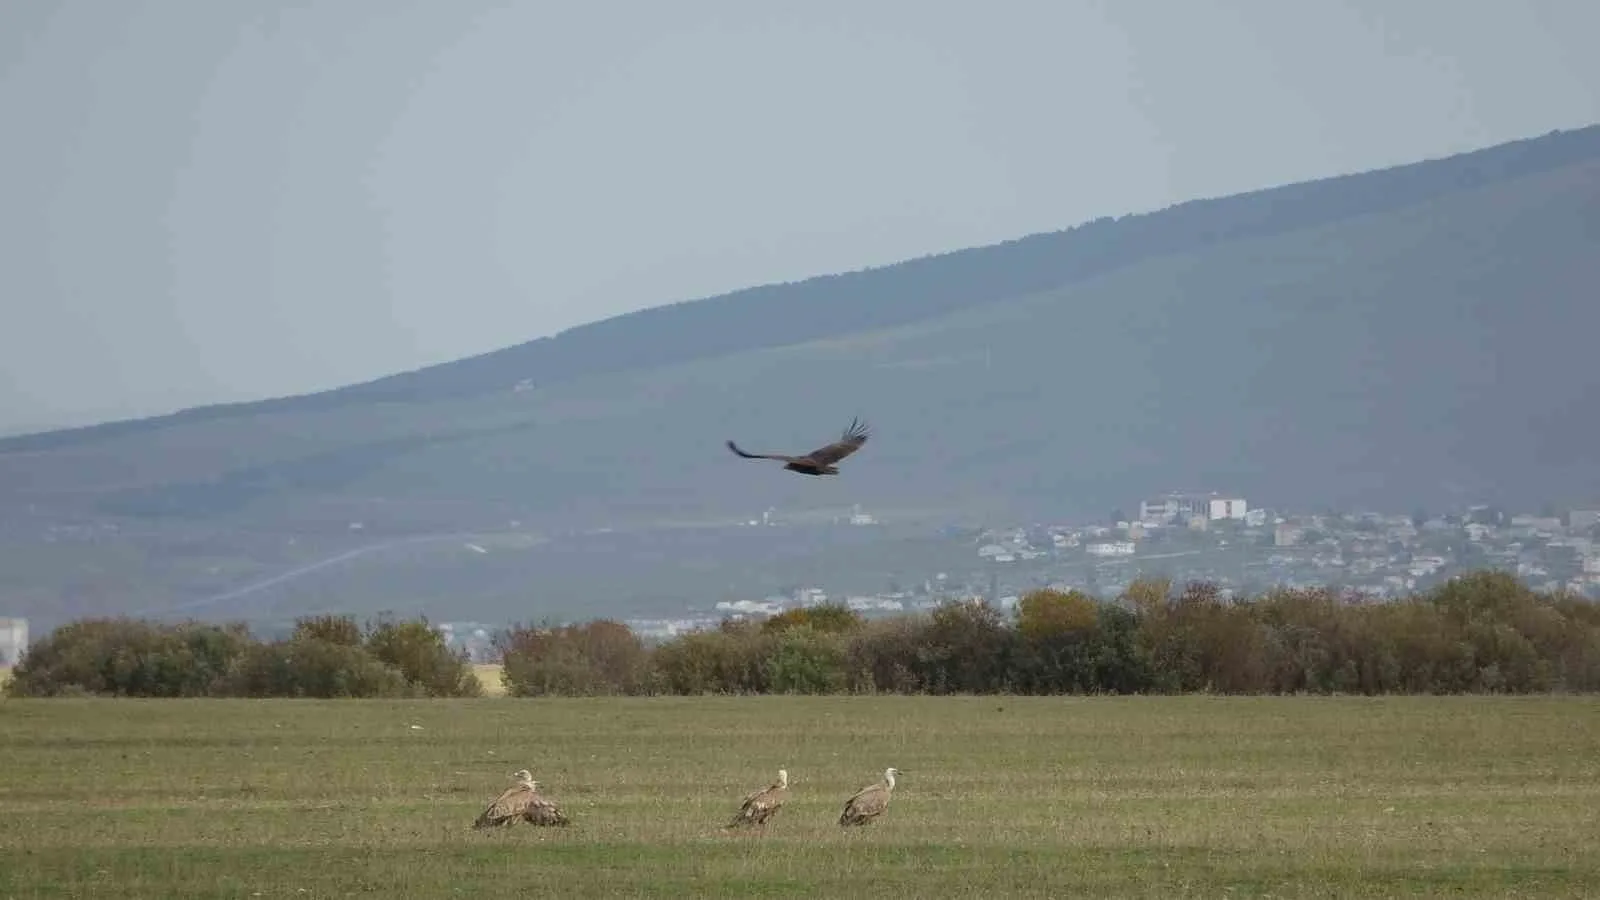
(1375, 553)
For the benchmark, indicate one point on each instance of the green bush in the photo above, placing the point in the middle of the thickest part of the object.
(886, 657)
(128, 658)
(828, 618)
(600, 657)
(341, 630)
(418, 651)
(804, 660)
(312, 667)
(327, 657)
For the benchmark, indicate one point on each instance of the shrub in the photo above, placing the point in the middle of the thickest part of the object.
(886, 657)
(418, 651)
(128, 658)
(804, 660)
(827, 618)
(600, 657)
(312, 667)
(730, 659)
(1056, 632)
(341, 630)
(1483, 632)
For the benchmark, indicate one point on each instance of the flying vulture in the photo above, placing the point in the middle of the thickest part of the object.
(822, 460)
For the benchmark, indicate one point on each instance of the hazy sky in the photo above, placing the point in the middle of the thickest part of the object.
(205, 201)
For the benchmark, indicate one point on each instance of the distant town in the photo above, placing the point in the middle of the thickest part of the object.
(1189, 537)
(1183, 537)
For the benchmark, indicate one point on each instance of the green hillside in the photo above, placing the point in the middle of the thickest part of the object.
(834, 305)
(1420, 335)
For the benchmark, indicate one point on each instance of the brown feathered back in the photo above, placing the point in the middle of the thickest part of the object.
(542, 810)
(521, 801)
(763, 804)
(869, 802)
(511, 803)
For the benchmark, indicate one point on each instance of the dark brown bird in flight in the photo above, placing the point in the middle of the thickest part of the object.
(820, 461)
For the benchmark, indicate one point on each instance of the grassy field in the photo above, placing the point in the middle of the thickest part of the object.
(1157, 797)
(489, 677)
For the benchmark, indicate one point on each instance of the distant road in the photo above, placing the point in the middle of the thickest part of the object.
(295, 573)
(1142, 557)
(469, 539)
(1137, 558)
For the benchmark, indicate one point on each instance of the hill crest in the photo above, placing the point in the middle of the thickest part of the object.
(898, 293)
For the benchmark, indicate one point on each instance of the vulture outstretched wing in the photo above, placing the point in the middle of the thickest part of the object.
(848, 443)
(748, 455)
(823, 457)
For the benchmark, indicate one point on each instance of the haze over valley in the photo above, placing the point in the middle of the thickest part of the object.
(1405, 338)
(450, 309)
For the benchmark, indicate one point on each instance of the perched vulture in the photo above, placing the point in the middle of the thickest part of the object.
(820, 461)
(869, 802)
(760, 805)
(521, 801)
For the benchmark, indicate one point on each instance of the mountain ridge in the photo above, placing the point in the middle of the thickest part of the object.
(945, 282)
(1426, 353)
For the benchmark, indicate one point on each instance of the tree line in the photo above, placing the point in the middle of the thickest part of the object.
(325, 656)
(1480, 633)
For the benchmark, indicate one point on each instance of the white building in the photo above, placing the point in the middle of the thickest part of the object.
(1162, 510)
(13, 641)
(1180, 507)
(857, 517)
(1227, 508)
(1285, 534)
(750, 607)
(1583, 519)
(1110, 548)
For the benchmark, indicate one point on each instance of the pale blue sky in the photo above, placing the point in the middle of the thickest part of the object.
(205, 201)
